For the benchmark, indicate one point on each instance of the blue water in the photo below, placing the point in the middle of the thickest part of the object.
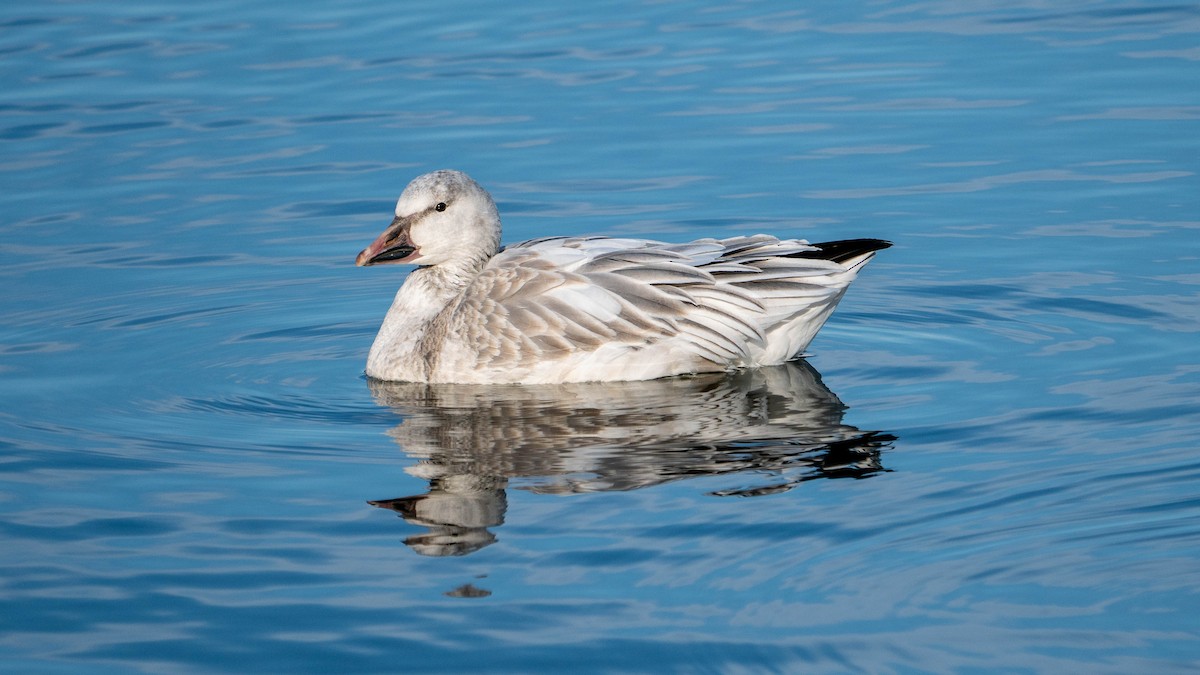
(988, 463)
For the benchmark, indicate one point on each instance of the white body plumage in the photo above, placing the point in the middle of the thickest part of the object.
(579, 309)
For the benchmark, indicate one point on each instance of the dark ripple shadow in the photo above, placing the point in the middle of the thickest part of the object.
(301, 332)
(294, 408)
(1105, 18)
(121, 127)
(332, 209)
(1035, 307)
(105, 49)
(763, 431)
(22, 132)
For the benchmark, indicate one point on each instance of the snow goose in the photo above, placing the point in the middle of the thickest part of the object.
(582, 309)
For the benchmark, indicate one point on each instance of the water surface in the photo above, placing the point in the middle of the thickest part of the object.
(988, 461)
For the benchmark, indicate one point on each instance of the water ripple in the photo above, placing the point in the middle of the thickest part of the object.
(997, 181)
(293, 407)
(187, 443)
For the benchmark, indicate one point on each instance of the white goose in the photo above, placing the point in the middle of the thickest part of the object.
(580, 309)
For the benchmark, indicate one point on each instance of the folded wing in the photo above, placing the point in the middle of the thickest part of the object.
(576, 307)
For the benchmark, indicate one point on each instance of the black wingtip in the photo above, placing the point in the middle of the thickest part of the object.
(846, 249)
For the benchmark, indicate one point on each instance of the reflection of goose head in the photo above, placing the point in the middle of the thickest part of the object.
(470, 440)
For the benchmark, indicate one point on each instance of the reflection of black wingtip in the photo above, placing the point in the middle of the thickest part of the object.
(856, 457)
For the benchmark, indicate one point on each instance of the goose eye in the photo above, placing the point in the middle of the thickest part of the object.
(441, 206)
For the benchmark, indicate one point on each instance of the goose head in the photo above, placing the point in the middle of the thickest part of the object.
(441, 217)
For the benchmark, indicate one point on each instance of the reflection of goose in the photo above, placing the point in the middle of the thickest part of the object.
(579, 309)
(774, 427)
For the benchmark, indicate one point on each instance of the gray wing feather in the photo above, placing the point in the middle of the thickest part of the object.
(555, 297)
